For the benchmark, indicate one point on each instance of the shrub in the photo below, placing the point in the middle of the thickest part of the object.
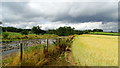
(24, 32)
(5, 35)
(63, 43)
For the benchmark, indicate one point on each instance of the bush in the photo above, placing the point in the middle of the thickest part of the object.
(63, 43)
(24, 32)
(5, 35)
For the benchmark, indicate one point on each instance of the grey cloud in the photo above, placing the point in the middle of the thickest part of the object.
(23, 13)
(85, 12)
(67, 12)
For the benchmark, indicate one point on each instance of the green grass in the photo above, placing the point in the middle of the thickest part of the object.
(12, 33)
(104, 33)
(95, 50)
(13, 36)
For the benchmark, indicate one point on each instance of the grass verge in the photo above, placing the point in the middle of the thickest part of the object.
(35, 55)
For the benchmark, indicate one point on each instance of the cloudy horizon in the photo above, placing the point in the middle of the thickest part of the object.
(51, 15)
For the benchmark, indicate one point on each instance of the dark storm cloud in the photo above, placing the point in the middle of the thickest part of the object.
(69, 12)
(18, 12)
(93, 12)
(95, 18)
(81, 15)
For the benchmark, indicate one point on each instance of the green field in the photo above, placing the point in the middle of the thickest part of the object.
(104, 33)
(12, 33)
(13, 36)
(95, 50)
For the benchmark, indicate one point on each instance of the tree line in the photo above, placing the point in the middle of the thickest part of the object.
(61, 31)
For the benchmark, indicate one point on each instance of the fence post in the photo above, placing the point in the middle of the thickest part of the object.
(59, 40)
(47, 44)
(40, 41)
(21, 51)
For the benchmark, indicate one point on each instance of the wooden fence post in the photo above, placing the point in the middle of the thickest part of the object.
(59, 40)
(21, 51)
(46, 49)
(40, 41)
(47, 44)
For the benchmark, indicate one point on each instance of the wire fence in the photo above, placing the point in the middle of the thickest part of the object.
(35, 50)
(23, 45)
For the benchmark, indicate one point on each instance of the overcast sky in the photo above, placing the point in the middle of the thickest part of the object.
(51, 15)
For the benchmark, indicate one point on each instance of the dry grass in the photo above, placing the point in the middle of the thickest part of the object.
(26, 37)
(36, 57)
(95, 50)
(30, 57)
(30, 36)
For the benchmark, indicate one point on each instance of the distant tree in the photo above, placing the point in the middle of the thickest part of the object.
(24, 32)
(97, 30)
(4, 29)
(64, 31)
(37, 30)
(78, 32)
(19, 30)
(53, 31)
(0, 30)
(89, 30)
(43, 32)
(0, 22)
(85, 32)
(118, 30)
(11, 29)
(112, 32)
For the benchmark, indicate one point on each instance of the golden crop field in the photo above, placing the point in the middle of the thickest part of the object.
(95, 50)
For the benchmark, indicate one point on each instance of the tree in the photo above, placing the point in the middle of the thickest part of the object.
(78, 32)
(64, 31)
(97, 30)
(53, 31)
(118, 30)
(24, 32)
(0, 22)
(11, 29)
(37, 30)
(85, 31)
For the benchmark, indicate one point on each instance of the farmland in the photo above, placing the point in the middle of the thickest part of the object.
(86, 50)
(59, 34)
(14, 36)
(95, 50)
(105, 33)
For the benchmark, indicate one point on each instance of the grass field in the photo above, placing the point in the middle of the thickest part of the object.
(13, 36)
(95, 50)
(104, 33)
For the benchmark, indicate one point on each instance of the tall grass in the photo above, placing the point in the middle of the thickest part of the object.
(35, 55)
(26, 37)
(32, 56)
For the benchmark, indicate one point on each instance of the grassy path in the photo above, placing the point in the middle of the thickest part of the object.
(95, 50)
